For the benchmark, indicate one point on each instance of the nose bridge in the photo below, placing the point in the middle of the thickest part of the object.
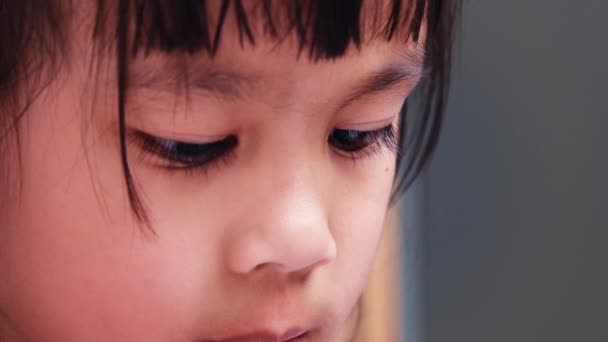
(285, 223)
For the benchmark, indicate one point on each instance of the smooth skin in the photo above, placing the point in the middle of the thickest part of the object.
(280, 235)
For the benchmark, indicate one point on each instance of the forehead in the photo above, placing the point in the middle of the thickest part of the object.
(267, 59)
(275, 74)
(253, 42)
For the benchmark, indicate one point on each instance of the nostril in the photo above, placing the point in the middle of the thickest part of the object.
(264, 266)
(307, 270)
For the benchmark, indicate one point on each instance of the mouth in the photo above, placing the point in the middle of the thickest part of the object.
(292, 335)
(296, 336)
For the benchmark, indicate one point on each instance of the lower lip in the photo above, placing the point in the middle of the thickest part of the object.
(300, 338)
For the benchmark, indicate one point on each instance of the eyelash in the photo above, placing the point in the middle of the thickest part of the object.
(185, 156)
(369, 142)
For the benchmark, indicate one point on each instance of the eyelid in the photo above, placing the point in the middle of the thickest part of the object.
(193, 139)
(156, 147)
(367, 125)
(179, 137)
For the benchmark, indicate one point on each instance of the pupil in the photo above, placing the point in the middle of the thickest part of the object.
(189, 149)
(348, 139)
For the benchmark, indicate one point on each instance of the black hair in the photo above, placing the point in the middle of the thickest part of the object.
(33, 36)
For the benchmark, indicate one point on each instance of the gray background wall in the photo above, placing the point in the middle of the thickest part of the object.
(511, 221)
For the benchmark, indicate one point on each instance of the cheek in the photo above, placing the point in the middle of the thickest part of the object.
(73, 262)
(359, 211)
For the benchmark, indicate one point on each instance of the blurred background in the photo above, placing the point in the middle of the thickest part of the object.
(506, 236)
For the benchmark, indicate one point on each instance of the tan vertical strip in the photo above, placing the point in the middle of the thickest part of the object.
(380, 314)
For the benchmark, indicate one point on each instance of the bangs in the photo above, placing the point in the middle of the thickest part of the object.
(324, 28)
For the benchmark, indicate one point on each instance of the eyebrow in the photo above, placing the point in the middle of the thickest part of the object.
(385, 79)
(231, 85)
(410, 68)
(222, 82)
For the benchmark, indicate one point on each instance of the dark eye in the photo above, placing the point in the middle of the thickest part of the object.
(349, 140)
(178, 154)
(353, 141)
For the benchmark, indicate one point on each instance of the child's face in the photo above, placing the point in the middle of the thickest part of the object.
(276, 235)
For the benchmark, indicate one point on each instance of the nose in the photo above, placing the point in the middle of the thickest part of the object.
(284, 227)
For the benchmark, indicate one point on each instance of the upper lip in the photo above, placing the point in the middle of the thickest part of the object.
(265, 336)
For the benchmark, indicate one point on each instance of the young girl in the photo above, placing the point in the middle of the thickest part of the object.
(205, 170)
